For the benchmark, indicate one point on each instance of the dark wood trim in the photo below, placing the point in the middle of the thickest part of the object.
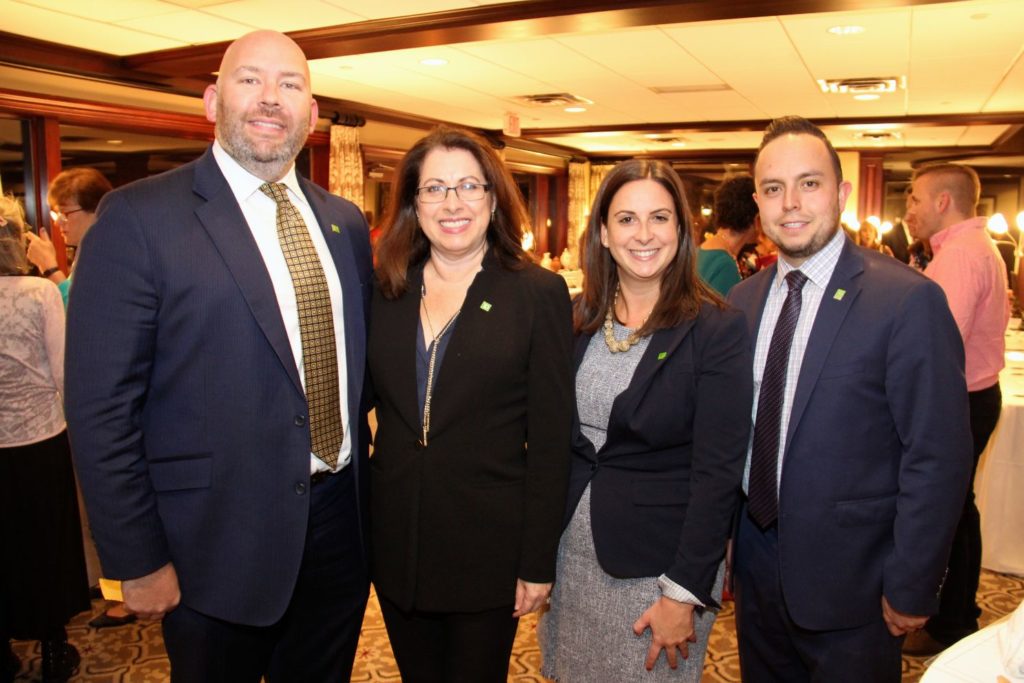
(916, 121)
(118, 116)
(497, 22)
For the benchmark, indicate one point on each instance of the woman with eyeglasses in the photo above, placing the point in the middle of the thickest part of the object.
(73, 197)
(469, 358)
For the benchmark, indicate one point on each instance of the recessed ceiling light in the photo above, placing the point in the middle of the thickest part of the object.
(866, 97)
(433, 61)
(679, 144)
(574, 110)
(115, 142)
(845, 30)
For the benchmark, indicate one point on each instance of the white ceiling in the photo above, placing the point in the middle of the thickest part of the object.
(955, 58)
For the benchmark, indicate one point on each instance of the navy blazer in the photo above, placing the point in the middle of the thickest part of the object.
(665, 485)
(878, 449)
(184, 403)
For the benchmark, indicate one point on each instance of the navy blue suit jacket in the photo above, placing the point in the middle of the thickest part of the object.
(878, 449)
(184, 404)
(665, 485)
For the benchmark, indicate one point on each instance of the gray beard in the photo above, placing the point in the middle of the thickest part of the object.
(270, 165)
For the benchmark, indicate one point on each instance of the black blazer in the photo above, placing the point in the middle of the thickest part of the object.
(184, 404)
(665, 485)
(878, 449)
(456, 523)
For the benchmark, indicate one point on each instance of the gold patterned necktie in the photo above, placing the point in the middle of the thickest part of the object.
(316, 326)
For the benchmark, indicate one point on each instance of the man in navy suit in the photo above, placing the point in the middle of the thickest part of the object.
(857, 478)
(187, 391)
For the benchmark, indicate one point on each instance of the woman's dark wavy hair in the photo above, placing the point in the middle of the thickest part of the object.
(403, 245)
(682, 291)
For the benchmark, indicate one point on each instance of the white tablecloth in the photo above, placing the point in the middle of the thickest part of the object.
(999, 485)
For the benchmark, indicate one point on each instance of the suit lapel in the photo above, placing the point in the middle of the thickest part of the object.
(831, 313)
(662, 345)
(223, 220)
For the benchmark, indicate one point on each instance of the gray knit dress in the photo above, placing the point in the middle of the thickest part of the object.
(587, 635)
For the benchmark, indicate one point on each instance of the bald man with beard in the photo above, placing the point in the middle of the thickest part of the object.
(219, 435)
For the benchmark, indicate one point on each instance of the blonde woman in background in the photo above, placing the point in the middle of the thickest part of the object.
(47, 585)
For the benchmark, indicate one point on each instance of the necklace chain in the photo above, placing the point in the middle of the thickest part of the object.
(434, 343)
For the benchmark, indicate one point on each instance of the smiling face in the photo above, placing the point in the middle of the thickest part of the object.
(262, 103)
(799, 195)
(455, 227)
(642, 231)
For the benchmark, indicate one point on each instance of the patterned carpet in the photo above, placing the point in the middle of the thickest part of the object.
(135, 653)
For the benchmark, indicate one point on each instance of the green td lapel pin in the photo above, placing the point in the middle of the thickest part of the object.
(663, 355)
(335, 228)
(840, 293)
(485, 306)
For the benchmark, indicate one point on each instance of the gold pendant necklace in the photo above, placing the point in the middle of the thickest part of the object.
(436, 342)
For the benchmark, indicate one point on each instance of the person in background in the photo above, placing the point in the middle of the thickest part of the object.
(867, 237)
(73, 196)
(971, 273)
(663, 403)
(736, 220)
(860, 455)
(470, 349)
(215, 370)
(898, 240)
(43, 580)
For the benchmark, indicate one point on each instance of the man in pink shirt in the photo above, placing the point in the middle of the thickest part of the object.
(970, 271)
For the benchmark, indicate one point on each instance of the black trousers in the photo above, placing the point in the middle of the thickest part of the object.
(450, 647)
(958, 607)
(315, 641)
(773, 648)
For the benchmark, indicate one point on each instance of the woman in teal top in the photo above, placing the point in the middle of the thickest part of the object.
(736, 218)
(73, 197)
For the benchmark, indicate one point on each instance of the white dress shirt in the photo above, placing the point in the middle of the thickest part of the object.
(818, 269)
(260, 213)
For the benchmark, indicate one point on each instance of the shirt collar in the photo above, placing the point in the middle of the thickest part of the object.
(244, 184)
(819, 267)
(937, 240)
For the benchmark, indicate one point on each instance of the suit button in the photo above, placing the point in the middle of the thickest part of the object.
(300, 420)
(300, 488)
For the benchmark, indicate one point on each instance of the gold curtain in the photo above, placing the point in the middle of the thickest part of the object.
(346, 177)
(579, 204)
(597, 174)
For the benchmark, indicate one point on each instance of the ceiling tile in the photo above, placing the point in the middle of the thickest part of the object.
(108, 10)
(88, 34)
(192, 26)
(647, 56)
(301, 14)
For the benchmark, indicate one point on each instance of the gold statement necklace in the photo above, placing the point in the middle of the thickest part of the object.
(614, 345)
(435, 342)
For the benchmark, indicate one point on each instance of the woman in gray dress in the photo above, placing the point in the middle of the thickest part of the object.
(664, 394)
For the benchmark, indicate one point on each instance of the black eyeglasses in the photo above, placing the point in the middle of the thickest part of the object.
(467, 192)
(61, 216)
